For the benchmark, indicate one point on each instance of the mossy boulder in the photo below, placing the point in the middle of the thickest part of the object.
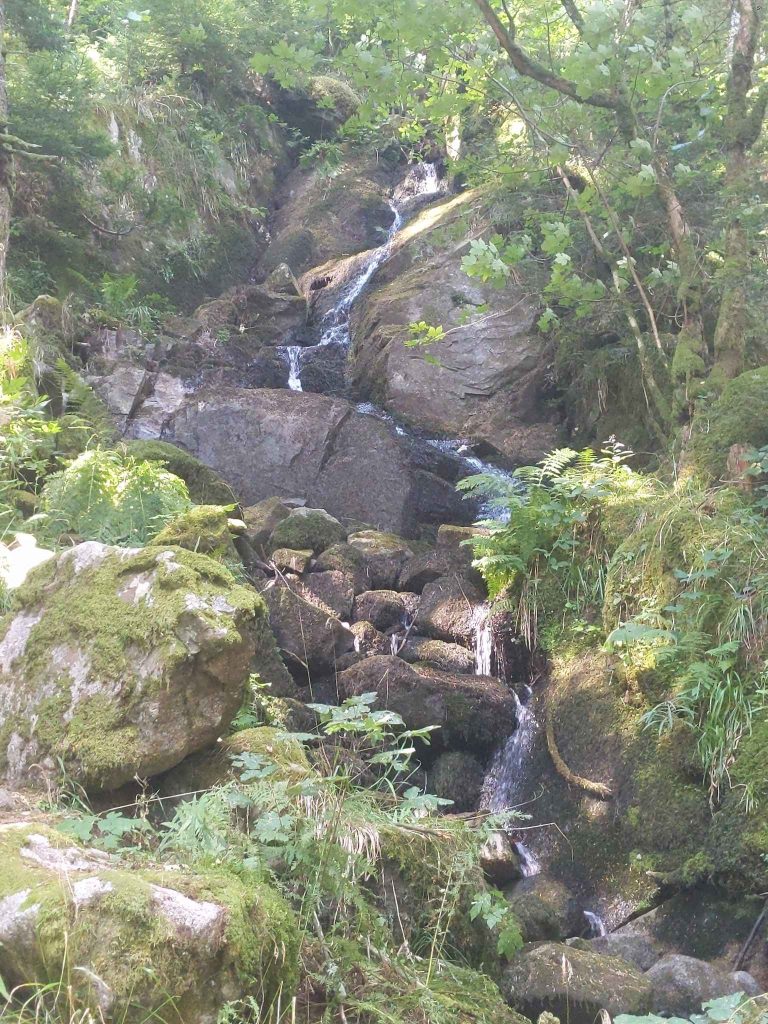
(383, 555)
(261, 519)
(311, 528)
(318, 107)
(417, 869)
(573, 984)
(345, 559)
(738, 416)
(205, 486)
(118, 662)
(136, 944)
(205, 529)
(458, 777)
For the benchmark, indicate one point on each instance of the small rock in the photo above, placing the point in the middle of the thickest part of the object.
(332, 588)
(310, 528)
(499, 859)
(289, 560)
(445, 656)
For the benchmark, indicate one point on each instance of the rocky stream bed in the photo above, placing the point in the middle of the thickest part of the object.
(342, 449)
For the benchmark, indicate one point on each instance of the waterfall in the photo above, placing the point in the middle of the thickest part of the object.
(529, 865)
(483, 641)
(293, 354)
(421, 180)
(503, 782)
(597, 926)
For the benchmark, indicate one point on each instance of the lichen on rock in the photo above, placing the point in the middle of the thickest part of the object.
(119, 662)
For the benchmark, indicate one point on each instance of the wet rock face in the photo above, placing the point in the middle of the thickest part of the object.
(106, 921)
(319, 219)
(491, 381)
(473, 712)
(121, 662)
(573, 984)
(267, 443)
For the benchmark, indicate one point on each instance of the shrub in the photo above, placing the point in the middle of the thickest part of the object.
(112, 498)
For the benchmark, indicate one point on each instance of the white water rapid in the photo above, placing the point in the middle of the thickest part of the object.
(597, 926)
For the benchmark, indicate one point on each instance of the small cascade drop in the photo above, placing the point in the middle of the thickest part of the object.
(293, 354)
(597, 926)
(421, 180)
(483, 641)
(506, 775)
(529, 865)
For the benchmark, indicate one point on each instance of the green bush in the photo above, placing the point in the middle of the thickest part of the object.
(112, 498)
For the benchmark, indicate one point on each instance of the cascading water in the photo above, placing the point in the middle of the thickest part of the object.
(423, 180)
(504, 780)
(483, 641)
(529, 865)
(293, 354)
(597, 926)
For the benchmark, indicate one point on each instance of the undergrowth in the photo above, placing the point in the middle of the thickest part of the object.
(670, 577)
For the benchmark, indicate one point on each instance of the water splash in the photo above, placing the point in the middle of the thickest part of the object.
(483, 641)
(529, 864)
(597, 926)
(505, 779)
(293, 354)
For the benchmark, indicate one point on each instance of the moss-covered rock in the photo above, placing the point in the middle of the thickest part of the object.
(134, 944)
(119, 662)
(318, 107)
(205, 529)
(311, 528)
(574, 984)
(383, 555)
(458, 777)
(738, 416)
(205, 486)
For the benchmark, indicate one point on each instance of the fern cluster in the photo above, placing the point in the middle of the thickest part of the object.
(110, 497)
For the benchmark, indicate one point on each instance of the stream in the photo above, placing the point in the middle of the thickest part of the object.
(507, 769)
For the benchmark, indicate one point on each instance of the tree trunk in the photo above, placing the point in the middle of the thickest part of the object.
(6, 175)
(743, 125)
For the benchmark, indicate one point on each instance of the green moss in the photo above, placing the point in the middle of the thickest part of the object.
(204, 485)
(106, 632)
(738, 416)
(307, 529)
(148, 962)
(205, 529)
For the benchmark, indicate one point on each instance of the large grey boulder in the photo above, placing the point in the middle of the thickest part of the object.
(119, 662)
(573, 984)
(130, 941)
(490, 378)
(681, 984)
(473, 712)
(278, 442)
